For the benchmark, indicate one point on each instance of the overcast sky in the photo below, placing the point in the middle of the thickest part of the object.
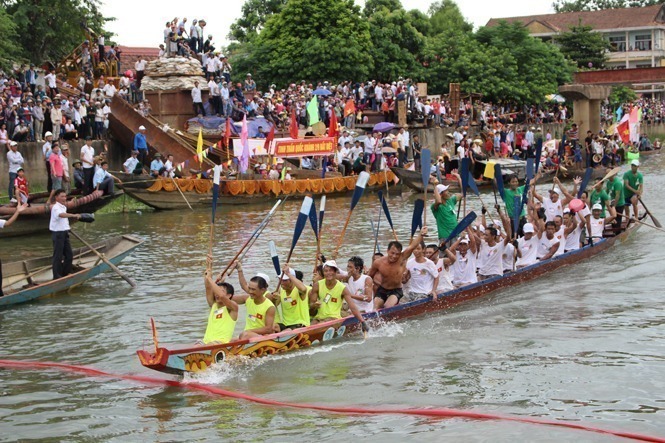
(140, 23)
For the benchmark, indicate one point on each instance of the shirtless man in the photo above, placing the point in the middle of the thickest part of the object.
(391, 268)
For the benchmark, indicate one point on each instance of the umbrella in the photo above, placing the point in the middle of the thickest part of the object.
(555, 98)
(383, 127)
(321, 91)
(388, 150)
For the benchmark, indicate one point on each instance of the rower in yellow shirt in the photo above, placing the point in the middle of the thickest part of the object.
(293, 298)
(223, 311)
(260, 310)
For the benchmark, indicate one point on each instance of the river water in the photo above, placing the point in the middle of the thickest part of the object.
(584, 344)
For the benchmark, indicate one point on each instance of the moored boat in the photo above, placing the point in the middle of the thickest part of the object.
(26, 280)
(180, 360)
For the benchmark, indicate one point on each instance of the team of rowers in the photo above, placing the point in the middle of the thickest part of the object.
(549, 226)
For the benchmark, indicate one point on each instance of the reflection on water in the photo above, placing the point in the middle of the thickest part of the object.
(585, 343)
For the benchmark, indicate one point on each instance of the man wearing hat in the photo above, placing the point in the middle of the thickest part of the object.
(552, 204)
(527, 247)
(15, 160)
(329, 293)
(597, 222)
(156, 166)
(56, 119)
(141, 145)
(633, 182)
(260, 310)
(293, 296)
(443, 209)
(79, 177)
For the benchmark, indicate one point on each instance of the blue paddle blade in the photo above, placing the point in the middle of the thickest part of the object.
(585, 182)
(275, 257)
(386, 211)
(462, 225)
(361, 182)
(561, 150)
(322, 211)
(517, 211)
(215, 197)
(425, 165)
(539, 152)
(529, 169)
(464, 173)
(472, 184)
(498, 176)
(417, 219)
(303, 215)
(313, 220)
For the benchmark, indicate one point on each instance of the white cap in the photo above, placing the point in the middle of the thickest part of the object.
(141, 128)
(48, 134)
(635, 162)
(12, 143)
(497, 223)
(566, 211)
(263, 276)
(556, 190)
(441, 188)
(528, 228)
(597, 207)
(464, 240)
(331, 264)
(286, 277)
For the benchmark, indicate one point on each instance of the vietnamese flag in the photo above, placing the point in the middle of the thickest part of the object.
(623, 129)
(293, 127)
(332, 129)
(269, 138)
(349, 107)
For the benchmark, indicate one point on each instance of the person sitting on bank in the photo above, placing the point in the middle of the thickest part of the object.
(22, 193)
(79, 175)
(156, 166)
(223, 311)
(132, 165)
(103, 179)
(260, 310)
(293, 298)
(328, 294)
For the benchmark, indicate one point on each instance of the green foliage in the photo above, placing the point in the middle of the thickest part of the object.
(445, 15)
(48, 31)
(255, 13)
(583, 46)
(9, 52)
(595, 5)
(620, 95)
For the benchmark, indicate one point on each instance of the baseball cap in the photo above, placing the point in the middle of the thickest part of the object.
(597, 207)
(48, 134)
(528, 228)
(441, 188)
(635, 163)
(263, 276)
(331, 264)
(464, 240)
(141, 128)
(556, 190)
(286, 277)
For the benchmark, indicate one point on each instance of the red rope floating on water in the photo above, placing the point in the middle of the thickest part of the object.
(440, 413)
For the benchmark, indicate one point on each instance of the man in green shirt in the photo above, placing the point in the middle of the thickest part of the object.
(444, 209)
(598, 195)
(633, 181)
(614, 189)
(513, 190)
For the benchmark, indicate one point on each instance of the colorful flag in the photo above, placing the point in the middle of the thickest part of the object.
(332, 130)
(634, 124)
(313, 111)
(269, 138)
(349, 107)
(199, 146)
(244, 141)
(293, 128)
(623, 129)
(619, 113)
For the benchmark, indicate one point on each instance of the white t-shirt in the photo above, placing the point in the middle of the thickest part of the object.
(597, 227)
(58, 223)
(552, 209)
(445, 279)
(464, 269)
(196, 95)
(573, 240)
(492, 259)
(561, 236)
(507, 257)
(528, 250)
(545, 244)
(357, 287)
(87, 156)
(422, 276)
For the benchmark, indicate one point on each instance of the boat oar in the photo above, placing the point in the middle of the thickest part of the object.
(361, 182)
(474, 188)
(104, 259)
(256, 233)
(322, 211)
(654, 219)
(275, 257)
(301, 222)
(386, 211)
(417, 217)
(539, 153)
(464, 174)
(425, 167)
(154, 334)
(461, 226)
(611, 174)
(181, 193)
(313, 220)
(651, 226)
(585, 182)
(376, 233)
(498, 182)
(215, 196)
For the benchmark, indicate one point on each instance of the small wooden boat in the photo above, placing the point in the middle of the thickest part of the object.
(27, 280)
(36, 217)
(178, 360)
(164, 193)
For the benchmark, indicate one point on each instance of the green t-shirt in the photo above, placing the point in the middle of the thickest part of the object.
(634, 180)
(600, 197)
(509, 197)
(613, 186)
(446, 217)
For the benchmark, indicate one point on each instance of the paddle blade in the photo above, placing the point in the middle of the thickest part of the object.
(363, 178)
(313, 220)
(517, 211)
(425, 165)
(464, 173)
(215, 190)
(303, 215)
(529, 169)
(275, 257)
(472, 184)
(539, 152)
(490, 169)
(585, 181)
(384, 205)
(562, 150)
(417, 218)
(498, 177)
(322, 211)
(462, 225)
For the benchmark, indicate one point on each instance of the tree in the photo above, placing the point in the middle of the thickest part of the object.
(446, 15)
(595, 5)
(9, 52)
(310, 39)
(48, 31)
(583, 46)
(255, 13)
(621, 95)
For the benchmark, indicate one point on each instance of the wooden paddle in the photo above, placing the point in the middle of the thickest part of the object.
(417, 217)
(585, 182)
(181, 193)
(654, 219)
(376, 232)
(539, 153)
(361, 182)
(611, 174)
(301, 222)
(386, 211)
(425, 167)
(498, 182)
(104, 259)
(215, 197)
(461, 226)
(275, 257)
(322, 211)
(658, 228)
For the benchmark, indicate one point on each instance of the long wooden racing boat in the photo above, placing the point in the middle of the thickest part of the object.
(178, 360)
(26, 280)
(36, 217)
(164, 193)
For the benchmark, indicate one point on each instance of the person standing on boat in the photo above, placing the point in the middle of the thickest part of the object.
(492, 247)
(553, 205)
(527, 247)
(464, 268)
(443, 259)
(59, 227)
(615, 191)
(293, 298)
(390, 270)
(328, 294)
(443, 209)
(260, 310)
(633, 183)
(360, 285)
(141, 145)
(223, 311)
(422, 275)
(513, 190)
(597, 222)
(88, 160)
(5, 224)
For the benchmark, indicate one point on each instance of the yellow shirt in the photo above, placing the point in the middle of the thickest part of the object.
(295, 310)
(331, 300)
(256, 314)
(220, 325)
